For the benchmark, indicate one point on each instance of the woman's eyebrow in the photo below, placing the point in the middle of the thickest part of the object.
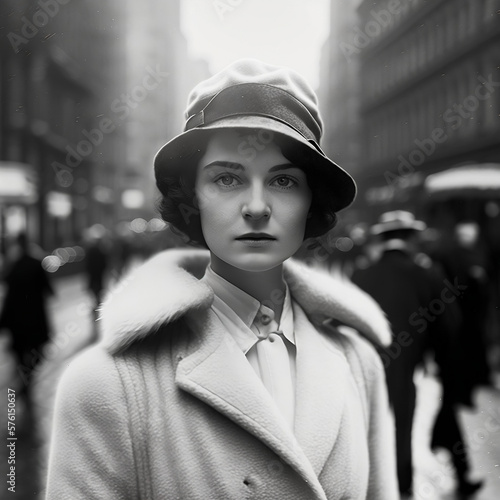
(239, 166)
(225, 164)
(283, 166)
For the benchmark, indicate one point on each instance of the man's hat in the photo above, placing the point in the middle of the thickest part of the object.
(249, 94)
(397, 220)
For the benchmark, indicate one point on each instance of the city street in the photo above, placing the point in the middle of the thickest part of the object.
(360, 137)
(71, 315)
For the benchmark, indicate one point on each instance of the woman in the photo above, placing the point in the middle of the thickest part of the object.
(219, 375)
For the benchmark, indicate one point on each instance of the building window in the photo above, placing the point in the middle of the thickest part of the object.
(421, 37)
(440, 34)
(440, 104)
(430, 121)
(431, 39)
(451, 26)
(471, 17)
(413, 53)
(470, 102)
(16, 89)
(491, 105)
(450, 95)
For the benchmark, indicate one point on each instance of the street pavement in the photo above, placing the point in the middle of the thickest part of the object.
(434, 473)
(74, 327)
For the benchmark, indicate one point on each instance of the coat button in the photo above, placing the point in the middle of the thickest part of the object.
(252, 481)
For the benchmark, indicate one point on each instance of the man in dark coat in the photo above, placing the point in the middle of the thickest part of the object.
(464, 263)
(24, 310)
(419, 305)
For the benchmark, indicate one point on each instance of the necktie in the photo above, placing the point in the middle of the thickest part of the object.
(274, 366)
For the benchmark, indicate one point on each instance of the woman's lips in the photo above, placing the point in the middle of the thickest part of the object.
(256, 236)
(256, 240)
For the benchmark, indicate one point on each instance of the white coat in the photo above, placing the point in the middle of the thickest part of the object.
(167, 407)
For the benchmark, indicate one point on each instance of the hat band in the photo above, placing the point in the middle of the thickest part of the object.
(258, 99)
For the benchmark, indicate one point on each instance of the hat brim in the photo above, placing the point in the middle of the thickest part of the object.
(177, 155)
(386, 227)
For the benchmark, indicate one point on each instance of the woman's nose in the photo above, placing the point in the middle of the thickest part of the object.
(257, 206)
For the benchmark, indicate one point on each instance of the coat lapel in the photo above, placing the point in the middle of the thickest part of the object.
(320, 391)
(218, 374)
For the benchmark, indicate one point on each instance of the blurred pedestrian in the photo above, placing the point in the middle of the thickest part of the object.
(121, 253)
(96, 261)
(465, 263)
(364, 250)
(217, 376)
(24, 312)
(405, 289)
(465, 266)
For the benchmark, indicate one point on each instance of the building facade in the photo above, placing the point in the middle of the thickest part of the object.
(411, 89)
(159, 76)
(60, 64)
(339, 90)
(339, 93)
(89, 91)
(430, 93)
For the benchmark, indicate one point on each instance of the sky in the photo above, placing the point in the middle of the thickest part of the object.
(283, 32)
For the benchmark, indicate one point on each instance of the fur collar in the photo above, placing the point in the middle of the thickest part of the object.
(167, 286)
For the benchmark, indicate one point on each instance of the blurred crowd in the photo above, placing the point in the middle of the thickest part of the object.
(28, 274)
(436, 297)
(440, 296)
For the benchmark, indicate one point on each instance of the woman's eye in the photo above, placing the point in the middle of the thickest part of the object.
(226, 180)
(284, 182)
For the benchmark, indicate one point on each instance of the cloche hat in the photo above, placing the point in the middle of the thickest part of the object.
(250, 94)
(397, 220)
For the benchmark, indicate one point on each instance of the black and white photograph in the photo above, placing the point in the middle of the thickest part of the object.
(250, 249)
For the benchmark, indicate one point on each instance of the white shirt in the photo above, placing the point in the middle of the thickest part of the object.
(268, 346)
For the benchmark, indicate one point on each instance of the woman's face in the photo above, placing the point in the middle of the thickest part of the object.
(253, 207)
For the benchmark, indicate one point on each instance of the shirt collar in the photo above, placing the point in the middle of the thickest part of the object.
(248, 309)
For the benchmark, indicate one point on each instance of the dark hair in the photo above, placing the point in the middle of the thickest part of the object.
(178, 205)
(179, 208)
